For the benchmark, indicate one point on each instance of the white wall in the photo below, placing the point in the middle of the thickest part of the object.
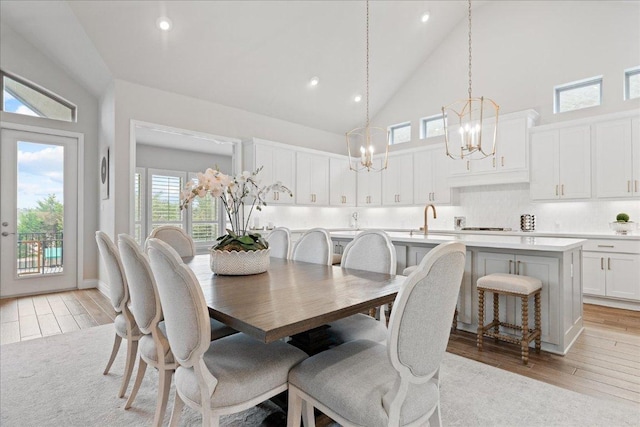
(19, 57)
(521, 50)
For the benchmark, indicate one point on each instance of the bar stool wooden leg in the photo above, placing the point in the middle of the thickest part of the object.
(496, 315)
(454, 324)
(525, 329)
(480, 317)
(537, 321)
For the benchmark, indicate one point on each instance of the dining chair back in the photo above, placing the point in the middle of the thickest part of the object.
(175, 237)
(279, 242)
(247, 371)
(124, 322)
(314, 246)
(367, 383)
(146, 309)
(370, 250)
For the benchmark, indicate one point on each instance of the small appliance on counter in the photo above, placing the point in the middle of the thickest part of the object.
(459, 222)
(527, 222)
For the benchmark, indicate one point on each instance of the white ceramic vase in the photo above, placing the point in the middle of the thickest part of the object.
(243, 263)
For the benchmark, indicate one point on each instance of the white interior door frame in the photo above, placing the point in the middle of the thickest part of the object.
(80, 188)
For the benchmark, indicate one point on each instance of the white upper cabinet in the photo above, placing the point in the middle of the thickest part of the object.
(342, 183)
(561, 164)
(278, 166)
(617, 158)
(397, 181)
(510, 163)
(370, 186)
(312, 179)
(430, 176)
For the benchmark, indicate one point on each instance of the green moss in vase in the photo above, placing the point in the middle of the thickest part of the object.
(622, 217)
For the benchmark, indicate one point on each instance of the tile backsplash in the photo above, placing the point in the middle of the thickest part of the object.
(483, 206)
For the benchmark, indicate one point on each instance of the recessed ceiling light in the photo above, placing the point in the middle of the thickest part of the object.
(425, 17)
(357, 98)
(314, 81)
(164, 23)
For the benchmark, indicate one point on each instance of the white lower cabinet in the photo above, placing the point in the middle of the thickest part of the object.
(547, 269)
(609, 274)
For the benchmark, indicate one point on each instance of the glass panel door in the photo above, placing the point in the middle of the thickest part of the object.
(38, 213)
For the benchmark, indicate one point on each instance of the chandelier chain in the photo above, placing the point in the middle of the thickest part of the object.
(469, 49)
(367, 89)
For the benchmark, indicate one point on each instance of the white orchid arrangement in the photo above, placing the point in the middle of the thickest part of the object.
(235, 193)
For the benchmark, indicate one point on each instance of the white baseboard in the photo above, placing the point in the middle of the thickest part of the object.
(102, 287)
(88, 284)
(607, 302)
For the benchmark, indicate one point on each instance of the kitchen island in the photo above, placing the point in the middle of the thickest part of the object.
(555, 261)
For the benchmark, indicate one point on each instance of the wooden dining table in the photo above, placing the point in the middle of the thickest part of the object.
(291, 297)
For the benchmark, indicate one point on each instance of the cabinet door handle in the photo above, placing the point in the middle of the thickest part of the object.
(606, 246)
(494, 162)
(467, 164)
(510, 262)
(635, 185)
(608, 263)
(556, 189)
(628, 186)
(502, 161)
(518, 267)
(601, 263)
(562, 189)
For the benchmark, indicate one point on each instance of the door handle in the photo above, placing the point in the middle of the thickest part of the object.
(601, 263)
(556, 189)
(562, 189)
(608, 263)
(628, 186)
(635, 185)
(518, 267)
(510, 262)
(494, 162)
(502, 160)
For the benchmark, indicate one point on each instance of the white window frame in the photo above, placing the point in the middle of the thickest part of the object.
(627, 74)
(143, 205)
(557, 90)
(429, 119)
(391, 129)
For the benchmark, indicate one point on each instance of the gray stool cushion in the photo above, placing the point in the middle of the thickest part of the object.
(513, 283)
(407, 271)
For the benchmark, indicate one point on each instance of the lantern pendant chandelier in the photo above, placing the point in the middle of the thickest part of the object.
(471, 118)
(367, 137)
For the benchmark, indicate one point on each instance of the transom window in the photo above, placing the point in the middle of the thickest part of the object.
(431, 126)
(22, 97)
(578, 95)
(632, 83)
(400, 133)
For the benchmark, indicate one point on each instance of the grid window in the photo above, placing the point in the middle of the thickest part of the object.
(632, 83)
(432, 126)
(578, 95)
(164, 199)
(22, 97)
(400, 133)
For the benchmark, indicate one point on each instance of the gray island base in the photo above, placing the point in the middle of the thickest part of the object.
(555, 261)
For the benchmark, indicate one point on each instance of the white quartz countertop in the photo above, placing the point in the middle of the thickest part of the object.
(498, 241)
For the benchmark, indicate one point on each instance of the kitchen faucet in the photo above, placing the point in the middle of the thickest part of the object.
(426, 208)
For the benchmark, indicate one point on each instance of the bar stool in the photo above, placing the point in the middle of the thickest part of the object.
(454, 323)
(518, 286)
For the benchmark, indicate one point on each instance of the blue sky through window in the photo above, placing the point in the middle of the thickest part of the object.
(40, 173)
(12, 105)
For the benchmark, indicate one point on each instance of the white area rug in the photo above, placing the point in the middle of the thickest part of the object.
(58, 381)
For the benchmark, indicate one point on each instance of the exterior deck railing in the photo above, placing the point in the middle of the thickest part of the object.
(39, 253)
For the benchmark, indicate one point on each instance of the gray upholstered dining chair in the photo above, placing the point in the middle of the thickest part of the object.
(370, 250)
(176, 237)
(147, 311)
(366, 383)
(279, 242)
(124, 323)
(313, 246)
(221, 377)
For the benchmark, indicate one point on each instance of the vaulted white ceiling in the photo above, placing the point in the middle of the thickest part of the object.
(253, 55)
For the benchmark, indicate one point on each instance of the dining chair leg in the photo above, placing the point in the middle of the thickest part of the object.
(132, 350)
(114, 352)
(163, 395)
(308, 417)
(142, 368)
(176, 412)
(294, 409)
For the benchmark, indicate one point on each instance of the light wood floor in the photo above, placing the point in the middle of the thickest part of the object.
(604, 362)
